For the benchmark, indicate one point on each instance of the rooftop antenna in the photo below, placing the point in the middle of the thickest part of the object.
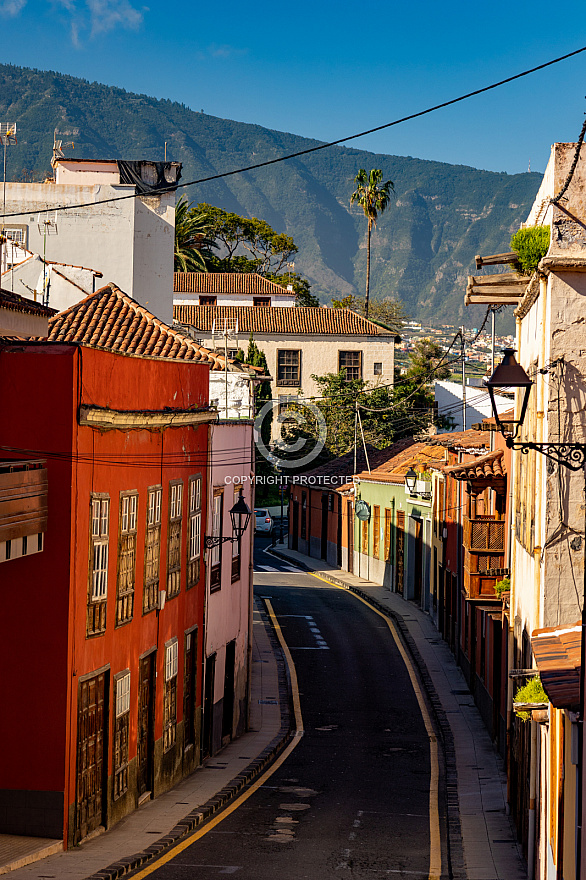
(228, 331)
(7, 138)
(47, 225)
(58, 144)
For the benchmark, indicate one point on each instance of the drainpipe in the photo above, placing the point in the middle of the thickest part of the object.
(532, 796)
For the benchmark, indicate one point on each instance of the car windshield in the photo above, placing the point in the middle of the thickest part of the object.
(260, 512)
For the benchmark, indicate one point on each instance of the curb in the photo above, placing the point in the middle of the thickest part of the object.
(456, 865)
(240, 782)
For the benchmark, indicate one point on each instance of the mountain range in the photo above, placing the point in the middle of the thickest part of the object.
(422, 249)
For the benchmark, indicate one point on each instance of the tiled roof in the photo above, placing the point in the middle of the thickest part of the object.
(227, 282)
(15, 303)
(470, 439)
(420, 456)
(557, 653)
(344, 464)
(281, 319)
(484, 467)
(113, 321)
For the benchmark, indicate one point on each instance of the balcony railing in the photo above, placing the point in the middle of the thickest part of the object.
(23, 499)
(484, 535)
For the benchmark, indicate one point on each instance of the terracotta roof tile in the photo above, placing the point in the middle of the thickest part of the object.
(484, 467)
(557, 653)
(471, 439)
(344, 464)
(15, 303)
(228, 282)
(281, 319)
(111, 320)
(417, 455)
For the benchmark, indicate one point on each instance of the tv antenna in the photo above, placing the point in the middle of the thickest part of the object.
(59, 144)
(47, 225)
(7, 139)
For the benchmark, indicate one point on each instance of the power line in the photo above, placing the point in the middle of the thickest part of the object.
(318, 147)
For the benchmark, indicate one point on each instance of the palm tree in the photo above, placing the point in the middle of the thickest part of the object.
(192, 243)
(373, 199)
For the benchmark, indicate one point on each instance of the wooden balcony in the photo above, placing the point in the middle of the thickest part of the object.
(484, 535)
(23, 499)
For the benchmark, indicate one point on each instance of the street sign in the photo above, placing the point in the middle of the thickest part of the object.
(362, 510)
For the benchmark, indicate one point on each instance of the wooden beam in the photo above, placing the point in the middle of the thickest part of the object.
(495, 259)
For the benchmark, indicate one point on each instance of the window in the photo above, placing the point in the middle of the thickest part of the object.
(98, 587)
(284, 404)
(174, 538)
(126, 558)
(351, 361)
(217, 514)
(121, 731)
(170, 697)
(378, 368)
(364, 541)
(190, 687)
(387, 545)
(236, 546)
(289, 367)
(208, 300)
(194, 531)
(152, 550)
(262, 301)
(376, 532)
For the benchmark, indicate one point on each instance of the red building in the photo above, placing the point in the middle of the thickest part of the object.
(101, 633)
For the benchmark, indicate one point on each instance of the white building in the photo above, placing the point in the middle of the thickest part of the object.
(449, 397)
(229, 289)
(118, 218)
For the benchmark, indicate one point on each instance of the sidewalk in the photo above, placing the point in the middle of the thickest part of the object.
(475, 777)
(159, 823)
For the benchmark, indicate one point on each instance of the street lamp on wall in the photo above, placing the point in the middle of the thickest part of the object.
(240, 516)
(411, 480)
(509, 374)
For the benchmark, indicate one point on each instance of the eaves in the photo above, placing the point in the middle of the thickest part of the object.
(148, 420)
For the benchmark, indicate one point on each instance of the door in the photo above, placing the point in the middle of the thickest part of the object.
(324, 526)
(208, 706)
(400, 551)
(146, 727)
(418, 562)
(350, 510)
(91, 764)
(339, 535)
(228, 705)
(295, 534)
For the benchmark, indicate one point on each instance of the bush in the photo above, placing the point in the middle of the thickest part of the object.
(530, 245)
(532, 692)
(502, 586)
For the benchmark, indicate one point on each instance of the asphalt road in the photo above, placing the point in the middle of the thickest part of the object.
(353, 798)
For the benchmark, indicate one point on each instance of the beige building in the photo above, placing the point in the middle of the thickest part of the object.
(229, 289)
(299, 343)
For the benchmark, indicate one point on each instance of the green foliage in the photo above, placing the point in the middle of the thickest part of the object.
(424, 361)
(388, 312)
(262, 395)
(192, 242)
(532, 692)
(502, 586)
(530, 244)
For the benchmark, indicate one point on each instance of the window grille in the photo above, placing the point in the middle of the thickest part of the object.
(194, 531)
(174, 539)
(99, 543)
(170, 697)
(121, 733)
(152, 553)
(126, 558)
(216, 553)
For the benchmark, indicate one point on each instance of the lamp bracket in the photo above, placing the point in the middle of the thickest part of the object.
(215, 540)
(571, 455)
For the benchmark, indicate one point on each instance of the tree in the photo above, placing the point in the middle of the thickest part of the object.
(373, 198)
(262, 395)
(252, 245)
(389, 312)
(427, 362)
(192, 242)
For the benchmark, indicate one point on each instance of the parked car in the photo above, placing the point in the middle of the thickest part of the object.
(263, 521)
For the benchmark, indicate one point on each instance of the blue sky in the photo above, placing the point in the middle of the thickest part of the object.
(327, 69)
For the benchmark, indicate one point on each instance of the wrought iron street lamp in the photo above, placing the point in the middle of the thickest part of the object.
(240, 516)
(411, 480)
(510, 374)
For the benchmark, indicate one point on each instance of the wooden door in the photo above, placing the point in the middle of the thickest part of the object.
(146, 723)
(228, 704)
(295, 532)
(400, 552)
(418, 561)
(91, 764)
(324, 527)
(208, 706)
(350, 510)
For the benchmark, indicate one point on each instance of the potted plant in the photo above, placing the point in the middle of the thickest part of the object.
(503, 587)
(423, 486)
(530, 698)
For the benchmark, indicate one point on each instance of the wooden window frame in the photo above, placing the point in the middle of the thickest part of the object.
(387, 535)
(376, 532)
(194, 541)
(290, 382)
(377, 369)
(262, 302)
(216, 552)
(174, 537)
(364, 537)
(121, 733)
(171, 674)
(236, 545)
(341, 366)
(98, 563)
(152, 549)
(208, 300)
(126, 568)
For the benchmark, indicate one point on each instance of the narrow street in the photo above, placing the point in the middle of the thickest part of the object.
(353, 798)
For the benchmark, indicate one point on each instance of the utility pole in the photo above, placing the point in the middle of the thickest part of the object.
(463, 345)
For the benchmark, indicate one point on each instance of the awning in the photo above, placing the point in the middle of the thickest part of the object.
(557, 654)
(489, 468)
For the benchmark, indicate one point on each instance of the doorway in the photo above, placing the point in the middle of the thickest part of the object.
(350, 510)
(228, 705)
(91, 757)
(208, 706)
(418, 562)
(145, 749)
(324, 526)
(295, 534)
